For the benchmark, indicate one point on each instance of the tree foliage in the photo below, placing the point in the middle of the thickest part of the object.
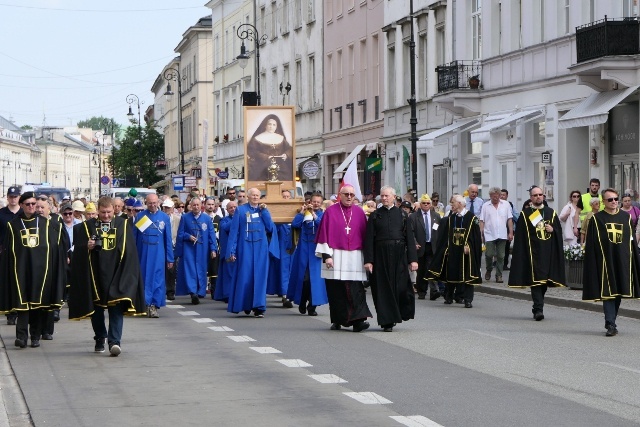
(134, 157)
(26, 127)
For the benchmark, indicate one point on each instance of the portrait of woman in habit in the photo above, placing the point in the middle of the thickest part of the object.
(269, 142)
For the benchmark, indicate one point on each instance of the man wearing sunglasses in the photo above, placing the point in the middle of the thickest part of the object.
(611, 260)
(32, 270)
(538, 256)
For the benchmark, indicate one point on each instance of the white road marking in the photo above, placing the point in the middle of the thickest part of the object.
(174, 306)
(204, 320)
(487, 335)
(416, 421)
(189, 313)
(265, 350)
(368, 398)
(294, 363)
(240, 338)
(637, 371)
(328, 379)
(220, 328)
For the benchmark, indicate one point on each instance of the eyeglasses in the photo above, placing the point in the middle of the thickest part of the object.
(33, 203)
(575, 196)
(231, 194)
(612, 199)
(348, 194)
(67, 213)
(139, 210)
(537, 195)
(181, 207)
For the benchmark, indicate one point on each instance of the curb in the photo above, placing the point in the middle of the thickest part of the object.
(14, 411)
(560, 302)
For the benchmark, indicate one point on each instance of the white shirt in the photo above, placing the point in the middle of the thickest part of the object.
(495, 220)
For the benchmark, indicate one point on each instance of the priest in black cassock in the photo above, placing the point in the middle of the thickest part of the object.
(389, 253)
(610, 260)
(538, 255)
(32, 270)
(105, 274)
(458, 252)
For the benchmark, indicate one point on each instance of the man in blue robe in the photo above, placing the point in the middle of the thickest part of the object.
(226, 269)
(280, 268)
(306, 287)
(195, 245)
(153, 239)
(249, 248)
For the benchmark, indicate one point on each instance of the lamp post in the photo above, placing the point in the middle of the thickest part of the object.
(99, 135)
(249, 32)
(174, 74)
(132, 98)
(413, 120)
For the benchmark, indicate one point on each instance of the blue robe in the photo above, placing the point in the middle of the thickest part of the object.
(226, 270)
(155, 249)
(280, 268)
(249, 243)
(305, 258)
(194, 256)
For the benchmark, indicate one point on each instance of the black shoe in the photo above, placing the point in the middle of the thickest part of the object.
(56, 315)
(258, 313)
(422, 295)
(195, 300)
(538, 316)
(35, 343)
(99, 348)
(171, 297)
(11, 320)
(434, 296)
(287, 304)
(311, 310)
(459, 301)
(20, 343)
(448, 301)
(468, 304)
(387, 328)
(302, 308)
(247, 312)
(334, 327)
(506, 269)
(47, 337)
(360, 326)
(611, 331)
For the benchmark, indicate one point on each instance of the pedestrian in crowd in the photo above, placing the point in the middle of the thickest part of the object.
(569, 216)
(138, 206)
(229, 196)
(424, 225)
(78, 210)
(504, 195)
(280, 267)
(226, 270)
(216, 214)
(129, 203)
(118, 208)
(195, 246)
(249, 246)
(474, 203)
(170, 273)
(180, 208)
(538, 255)
(406, 206)
(340, 243)
(389, 254)
(594, 205)
(90, 211)
(611, 264)
(631, 192)
(242, 197)
(496, 228)
(437, 204)
(8, 213)
(32, 270)
(458, 253)
(584, 203)
(152, 232)
(105, 275)
(633, 211)
(307, 288)
(53, 202)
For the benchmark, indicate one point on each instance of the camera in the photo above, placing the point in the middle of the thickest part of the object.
(98, 242)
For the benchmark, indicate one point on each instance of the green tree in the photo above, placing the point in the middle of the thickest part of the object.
(103, 124)
(26, 127)
(134, 157)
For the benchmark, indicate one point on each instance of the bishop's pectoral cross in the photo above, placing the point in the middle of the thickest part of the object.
(348, 229)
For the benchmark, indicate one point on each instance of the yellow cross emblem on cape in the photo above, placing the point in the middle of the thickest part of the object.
(614, 232)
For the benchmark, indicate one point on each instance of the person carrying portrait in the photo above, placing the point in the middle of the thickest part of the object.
(195, 246)
(267, 143)
(32, 270)
(226, 270)
(389, 253)
(611, 263)
(105, 274)
(280, 268)
(340, 242)
(538, 255)
(458, 253)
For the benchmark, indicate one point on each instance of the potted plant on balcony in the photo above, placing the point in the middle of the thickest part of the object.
(573, 265)
(474, 81)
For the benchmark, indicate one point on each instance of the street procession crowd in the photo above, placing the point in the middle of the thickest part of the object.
(129, 258)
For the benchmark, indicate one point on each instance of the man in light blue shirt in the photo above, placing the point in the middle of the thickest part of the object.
(474, 203)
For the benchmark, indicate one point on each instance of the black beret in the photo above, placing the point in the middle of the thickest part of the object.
(27, 195)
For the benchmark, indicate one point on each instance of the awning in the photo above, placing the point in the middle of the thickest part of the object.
(332, 152)
(594, 110)
(426, 140)
(343, 166)
(300, 160)
(505, 123)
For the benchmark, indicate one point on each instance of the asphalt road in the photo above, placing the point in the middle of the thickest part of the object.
(491, 365)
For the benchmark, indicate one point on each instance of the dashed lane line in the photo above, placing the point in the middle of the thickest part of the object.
(204, 320)
(265, 350)
(240, 338)
(220, 329)
(174, 306)
(368, 398)
(415, 421)
(328, 379)
(189, 313)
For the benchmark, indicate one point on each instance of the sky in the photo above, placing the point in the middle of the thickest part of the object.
(68, 60)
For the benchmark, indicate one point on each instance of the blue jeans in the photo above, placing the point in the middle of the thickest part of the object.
(116, 317)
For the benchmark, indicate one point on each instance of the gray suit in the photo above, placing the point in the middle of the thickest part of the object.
(426, 250)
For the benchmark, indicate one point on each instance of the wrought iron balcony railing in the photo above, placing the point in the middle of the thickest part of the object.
(608, 37)
(458, 75)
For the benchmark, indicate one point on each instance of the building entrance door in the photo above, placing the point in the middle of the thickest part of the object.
(624, 174)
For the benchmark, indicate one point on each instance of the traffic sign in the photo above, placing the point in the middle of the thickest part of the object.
(105, 180)
(116, 182)
(223, 174)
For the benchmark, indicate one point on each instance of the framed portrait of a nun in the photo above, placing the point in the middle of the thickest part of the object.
(269, 142)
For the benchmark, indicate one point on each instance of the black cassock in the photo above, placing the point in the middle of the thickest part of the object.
(33, 264)
(107, 276)
(450, 264)
(390, 246)
(610, 259)
(538, 256)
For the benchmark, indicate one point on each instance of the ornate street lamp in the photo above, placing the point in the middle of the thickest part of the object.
(99, 135)
(174, 74)
(132, 98)
(249, 32)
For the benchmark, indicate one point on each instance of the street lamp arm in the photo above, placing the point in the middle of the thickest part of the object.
(250, 32)
(174, 74)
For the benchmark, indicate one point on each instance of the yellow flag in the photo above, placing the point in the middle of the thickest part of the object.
(535, 217)
(143, 223)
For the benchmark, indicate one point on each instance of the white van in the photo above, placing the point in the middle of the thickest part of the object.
(123, 192)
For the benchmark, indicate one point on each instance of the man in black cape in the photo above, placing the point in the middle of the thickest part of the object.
(458, 252)
(611, 260)
(389, 252)
(33, 270)
(538, 256)
(105, 273)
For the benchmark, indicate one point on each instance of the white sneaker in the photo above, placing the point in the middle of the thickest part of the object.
(115, 350)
